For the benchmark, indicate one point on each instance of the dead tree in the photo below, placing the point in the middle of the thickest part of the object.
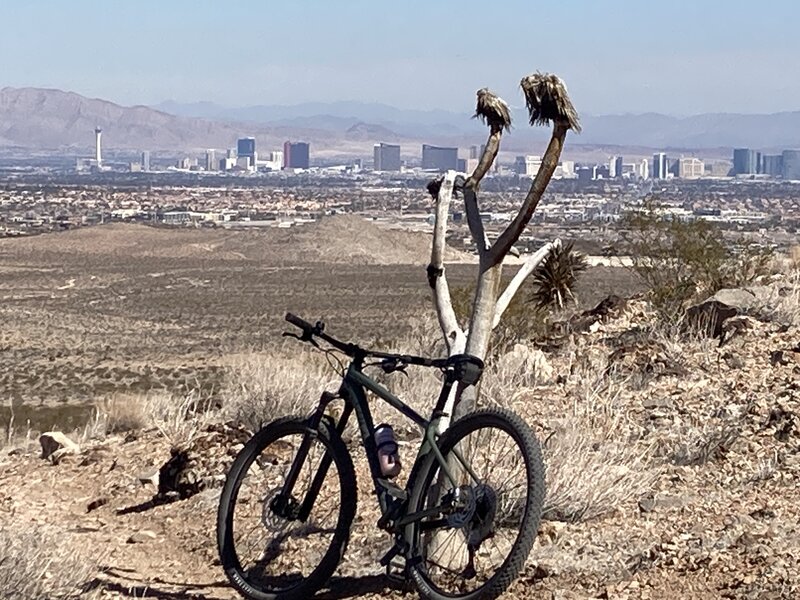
(548, 103)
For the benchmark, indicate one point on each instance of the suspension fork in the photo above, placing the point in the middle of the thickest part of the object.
(325, 463)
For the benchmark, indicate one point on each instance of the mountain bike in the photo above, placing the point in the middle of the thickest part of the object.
(462, 527)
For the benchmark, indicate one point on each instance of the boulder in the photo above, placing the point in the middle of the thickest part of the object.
(55, 445)
(752, 300)
(709, 316)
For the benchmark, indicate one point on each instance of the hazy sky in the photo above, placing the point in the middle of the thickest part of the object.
(677, 56)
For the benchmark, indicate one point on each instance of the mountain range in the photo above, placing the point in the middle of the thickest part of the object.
(36, 118)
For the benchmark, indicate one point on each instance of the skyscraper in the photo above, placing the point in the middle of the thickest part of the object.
(745, 161)
(97, 153)
(660, 166)
(387, 157)
(246, 147)
(791, 164)
(211, 160)
(438, 158)
(772, 164)
(146, 160)
(615, 167)
(295, 155)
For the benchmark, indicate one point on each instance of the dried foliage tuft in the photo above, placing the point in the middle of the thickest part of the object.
(547, 99)
(493, 110)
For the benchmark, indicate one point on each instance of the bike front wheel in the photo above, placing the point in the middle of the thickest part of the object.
(279, 540)
(476, 531)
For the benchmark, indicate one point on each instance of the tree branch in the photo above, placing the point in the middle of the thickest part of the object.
(528, 267)
(436, 276)
(492, 110)
(549, 163)
(474, 221)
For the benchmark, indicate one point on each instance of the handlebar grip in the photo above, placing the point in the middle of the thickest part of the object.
(298, 322)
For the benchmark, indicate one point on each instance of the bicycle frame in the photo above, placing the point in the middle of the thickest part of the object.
(353, 391)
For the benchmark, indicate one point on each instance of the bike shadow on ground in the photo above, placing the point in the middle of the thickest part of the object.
(341, 588)
(118, 581)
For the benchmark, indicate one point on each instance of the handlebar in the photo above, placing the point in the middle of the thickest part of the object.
(354, 351)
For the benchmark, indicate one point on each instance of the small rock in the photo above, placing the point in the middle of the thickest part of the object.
(56, 445)
(150, 477)
(96, 503)
(733, 361)
(647, 504)
(142, 537)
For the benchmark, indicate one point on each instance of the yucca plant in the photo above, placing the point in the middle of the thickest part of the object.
(555, 279)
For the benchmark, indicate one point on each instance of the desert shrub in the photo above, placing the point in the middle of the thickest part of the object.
(38, 563)
(554, 280)
(681, 260)
(258, 388)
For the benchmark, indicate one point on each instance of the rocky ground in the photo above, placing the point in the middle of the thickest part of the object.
(673, 470)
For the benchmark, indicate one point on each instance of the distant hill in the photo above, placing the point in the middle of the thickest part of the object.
(43, 119)
(37, 118)
(337, 239)
(649, 130)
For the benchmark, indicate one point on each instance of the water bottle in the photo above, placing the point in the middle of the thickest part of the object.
(388, 457)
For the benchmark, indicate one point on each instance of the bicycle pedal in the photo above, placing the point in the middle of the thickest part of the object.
(394, 490)
(396, 568)
(397, 574)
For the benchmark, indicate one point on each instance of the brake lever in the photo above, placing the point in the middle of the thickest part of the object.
(302, 338)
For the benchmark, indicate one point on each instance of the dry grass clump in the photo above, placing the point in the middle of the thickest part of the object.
(38, 563)
(123, 412)
(596, 460)
(261, 387)
(178, 418)
(787, 309)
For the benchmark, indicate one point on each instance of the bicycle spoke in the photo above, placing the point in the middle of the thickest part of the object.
(492, 495)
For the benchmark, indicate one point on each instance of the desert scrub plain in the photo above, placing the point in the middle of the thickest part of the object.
(673, 458)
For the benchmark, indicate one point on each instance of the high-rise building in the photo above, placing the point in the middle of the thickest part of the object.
(615, 167)
(660, 166)
(745, 161)
(387, 157)
(438, 158)
(97, 153)
(644, 169)
(246, 148)
(532, 165)
(772, 164)
(146, 160)
(791, 164)
(295, 155)
(473, 152)
(691, 168)
(211, 160)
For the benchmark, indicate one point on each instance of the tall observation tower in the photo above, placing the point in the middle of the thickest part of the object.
(97, 155)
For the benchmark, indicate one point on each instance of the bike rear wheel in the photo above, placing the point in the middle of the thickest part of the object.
(476, 543)
(268, 550)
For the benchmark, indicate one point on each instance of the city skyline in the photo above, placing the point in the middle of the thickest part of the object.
(615, 57)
